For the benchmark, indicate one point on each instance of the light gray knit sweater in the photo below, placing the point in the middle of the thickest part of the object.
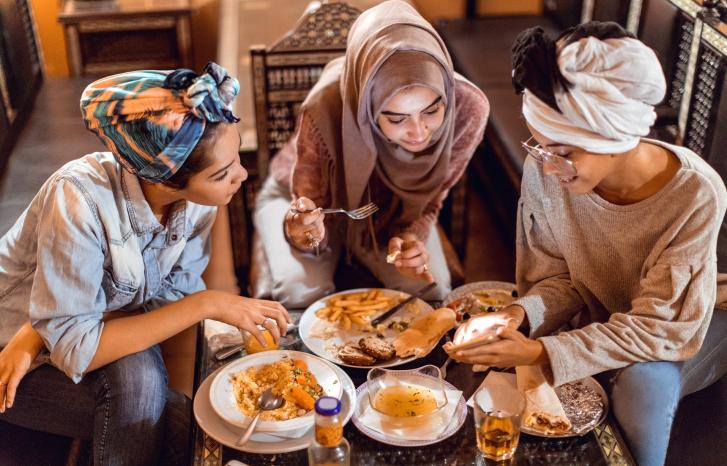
(644, 275)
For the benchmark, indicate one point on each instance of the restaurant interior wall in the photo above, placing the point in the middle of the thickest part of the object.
(268, 20)
(52, 40)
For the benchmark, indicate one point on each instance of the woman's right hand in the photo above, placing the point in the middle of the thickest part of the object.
(247, 313)
(488, 323)
(304, 224)
(15, 360)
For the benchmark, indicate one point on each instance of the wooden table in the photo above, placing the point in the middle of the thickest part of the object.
(602, 446)
(111, 36)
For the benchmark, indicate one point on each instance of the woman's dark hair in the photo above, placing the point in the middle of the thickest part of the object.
(197, 159)
(535, 61)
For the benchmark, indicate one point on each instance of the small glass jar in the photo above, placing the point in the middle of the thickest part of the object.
(329, 446)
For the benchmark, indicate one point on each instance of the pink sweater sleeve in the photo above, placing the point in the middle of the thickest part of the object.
(472, 110)
(299, 164)
(308, 179)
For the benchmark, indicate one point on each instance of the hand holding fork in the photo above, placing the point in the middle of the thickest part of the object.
(304, 222)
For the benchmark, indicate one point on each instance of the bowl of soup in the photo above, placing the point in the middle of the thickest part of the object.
(404, 398)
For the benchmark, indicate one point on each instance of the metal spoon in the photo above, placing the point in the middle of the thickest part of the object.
(266, 402)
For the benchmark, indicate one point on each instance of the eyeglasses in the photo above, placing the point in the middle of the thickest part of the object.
(563, 165)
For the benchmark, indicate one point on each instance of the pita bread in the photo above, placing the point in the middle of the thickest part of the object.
(421, 336)
(543, 409)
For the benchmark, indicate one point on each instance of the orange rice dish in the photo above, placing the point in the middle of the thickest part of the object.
(289, 378)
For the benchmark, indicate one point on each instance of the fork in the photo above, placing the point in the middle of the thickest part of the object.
(443, 369)
(356, 214)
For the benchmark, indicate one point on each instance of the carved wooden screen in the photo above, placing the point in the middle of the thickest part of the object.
(282, 75)
(285, 72)
(681, 60)
(702, 124)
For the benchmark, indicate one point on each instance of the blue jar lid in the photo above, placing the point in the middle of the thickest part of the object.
(328, 406)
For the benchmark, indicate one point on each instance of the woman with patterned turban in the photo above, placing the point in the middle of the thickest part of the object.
(616, 239)
(105, 264)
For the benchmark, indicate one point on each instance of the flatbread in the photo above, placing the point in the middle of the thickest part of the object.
(543, 409)
(421, 336)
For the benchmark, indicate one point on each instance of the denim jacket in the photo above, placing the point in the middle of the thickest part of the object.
(89, 244)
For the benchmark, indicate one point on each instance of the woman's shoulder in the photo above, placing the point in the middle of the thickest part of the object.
(696, 174)
(325, 95)
(95, 169)
(469, 97)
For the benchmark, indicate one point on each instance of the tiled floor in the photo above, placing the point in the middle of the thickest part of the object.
(54, 135)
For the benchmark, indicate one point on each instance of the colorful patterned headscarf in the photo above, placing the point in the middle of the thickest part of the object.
(152, 120)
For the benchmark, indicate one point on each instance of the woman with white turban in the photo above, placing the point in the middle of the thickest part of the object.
(616, 239)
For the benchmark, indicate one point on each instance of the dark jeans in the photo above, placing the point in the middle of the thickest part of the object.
(125, 409)
(645, 396)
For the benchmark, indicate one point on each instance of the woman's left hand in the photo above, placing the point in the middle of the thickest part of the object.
(512, 349)
(412, 258)
(15, 360)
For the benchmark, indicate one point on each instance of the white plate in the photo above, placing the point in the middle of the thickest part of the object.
(227, 434)
(311, 326)
(362, 402)
(593, 383)
(222, 394)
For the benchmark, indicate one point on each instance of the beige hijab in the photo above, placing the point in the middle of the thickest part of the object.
(390, 48)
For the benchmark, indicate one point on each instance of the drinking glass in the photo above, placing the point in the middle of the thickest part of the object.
(498, 410)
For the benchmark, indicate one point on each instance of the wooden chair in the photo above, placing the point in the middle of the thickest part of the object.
(282, 75)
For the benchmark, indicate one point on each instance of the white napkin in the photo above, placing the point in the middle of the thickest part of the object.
(220, 335)
(495, 378)
(429, 431)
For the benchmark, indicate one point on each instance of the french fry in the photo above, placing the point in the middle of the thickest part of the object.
(358, 320)
(373, 294)
(370, 307)
(349, 309)
(345, 302)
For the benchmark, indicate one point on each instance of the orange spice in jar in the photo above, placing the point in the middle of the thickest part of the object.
(329, 436)
(329, 446)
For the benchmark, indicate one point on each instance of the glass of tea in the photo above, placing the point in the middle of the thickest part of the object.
(498, 410)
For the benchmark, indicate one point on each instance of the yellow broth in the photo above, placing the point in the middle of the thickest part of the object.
(405, 401)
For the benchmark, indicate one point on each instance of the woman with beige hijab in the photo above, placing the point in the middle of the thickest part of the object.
(389, 123)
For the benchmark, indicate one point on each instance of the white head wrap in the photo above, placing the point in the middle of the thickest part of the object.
(610, 105)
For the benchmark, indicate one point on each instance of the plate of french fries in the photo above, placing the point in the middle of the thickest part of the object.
(342, 320)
